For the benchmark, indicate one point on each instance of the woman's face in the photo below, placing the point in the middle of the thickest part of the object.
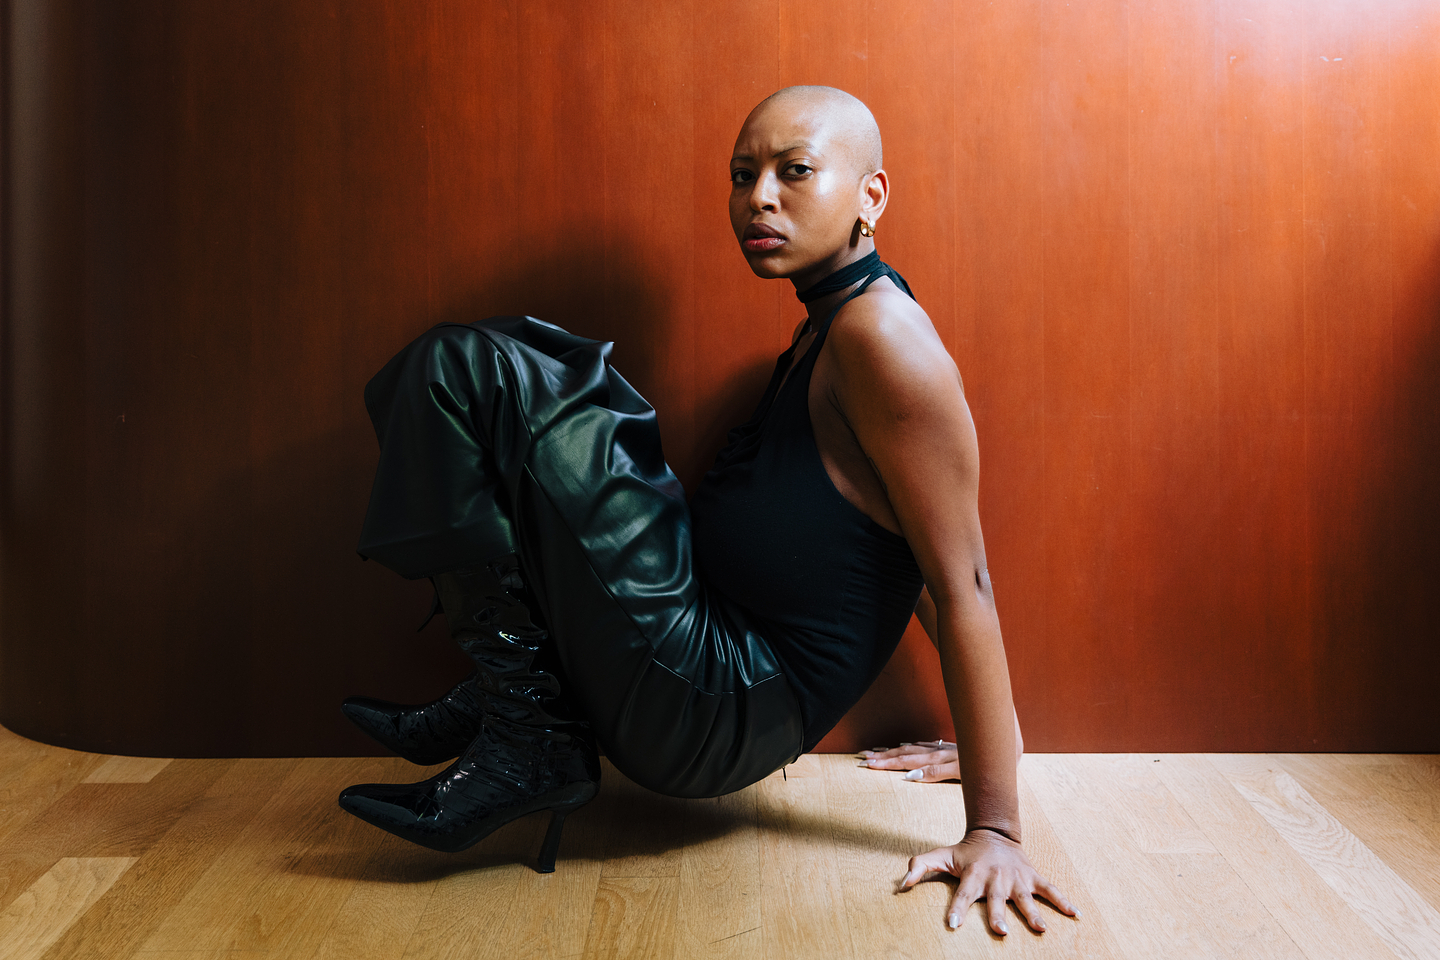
(797, 193)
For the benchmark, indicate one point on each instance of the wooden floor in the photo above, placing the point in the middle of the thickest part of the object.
(1168, 856)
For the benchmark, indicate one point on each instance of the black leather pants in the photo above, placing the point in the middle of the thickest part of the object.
(512, 436)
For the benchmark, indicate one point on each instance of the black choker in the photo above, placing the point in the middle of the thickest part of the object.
(842, 278)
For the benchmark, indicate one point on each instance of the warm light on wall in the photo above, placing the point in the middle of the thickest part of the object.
(1187, 258)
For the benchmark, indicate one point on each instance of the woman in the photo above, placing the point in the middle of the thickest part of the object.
(703, 647)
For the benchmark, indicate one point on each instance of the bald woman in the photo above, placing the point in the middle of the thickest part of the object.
(703, 646)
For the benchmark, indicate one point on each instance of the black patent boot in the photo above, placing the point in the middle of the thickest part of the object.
(530, 754)
(423, 733)
(426, 733)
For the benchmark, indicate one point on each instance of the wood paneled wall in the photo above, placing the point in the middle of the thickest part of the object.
(1186, 255)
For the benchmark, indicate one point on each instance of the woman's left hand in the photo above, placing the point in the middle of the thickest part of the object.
(990, 866)
(930, 761)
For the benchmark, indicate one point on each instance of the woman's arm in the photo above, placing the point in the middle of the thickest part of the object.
(936, 760)
(926, 613)
(900, 393)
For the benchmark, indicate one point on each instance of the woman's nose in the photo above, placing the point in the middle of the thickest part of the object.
(765, 194)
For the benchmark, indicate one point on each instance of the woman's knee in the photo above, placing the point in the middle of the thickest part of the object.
(449, 344)
(458, 357)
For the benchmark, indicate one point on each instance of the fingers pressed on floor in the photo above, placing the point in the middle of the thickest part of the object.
(1029, 911)
(907, 761)
(919, 871)
(995, 909)
(965, 894)
(1057, 899)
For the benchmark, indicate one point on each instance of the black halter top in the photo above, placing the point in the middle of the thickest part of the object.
(831, 590)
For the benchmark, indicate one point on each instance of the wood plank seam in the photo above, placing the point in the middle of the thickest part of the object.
(127, 770)
(47, 908)
(1402, 918)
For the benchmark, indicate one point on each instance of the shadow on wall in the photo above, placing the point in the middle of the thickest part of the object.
(1381, 638)
(253, 648)
(323, 653)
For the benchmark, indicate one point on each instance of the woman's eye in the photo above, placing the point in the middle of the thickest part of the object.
(741, 176)
(798, 169)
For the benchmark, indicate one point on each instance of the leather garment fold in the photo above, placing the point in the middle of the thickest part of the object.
(512, 436)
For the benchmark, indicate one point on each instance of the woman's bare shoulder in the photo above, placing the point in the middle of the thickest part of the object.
(886, 335)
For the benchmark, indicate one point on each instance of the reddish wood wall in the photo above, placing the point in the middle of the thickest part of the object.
(1186, 254)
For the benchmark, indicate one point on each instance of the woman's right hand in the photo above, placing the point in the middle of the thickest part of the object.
(928, 761)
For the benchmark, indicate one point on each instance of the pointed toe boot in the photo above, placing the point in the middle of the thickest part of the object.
(505, 774)
(428, 733)
(532, 753)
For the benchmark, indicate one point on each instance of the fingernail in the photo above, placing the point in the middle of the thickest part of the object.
(1002, 927)
(906, 743)
(953, 920)
(915, 775)
(863, 763)
(1078, 914)
(877, 750)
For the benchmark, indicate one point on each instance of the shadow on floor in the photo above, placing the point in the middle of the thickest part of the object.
(625, 823)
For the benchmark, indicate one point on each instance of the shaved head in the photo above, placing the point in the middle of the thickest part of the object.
(806, 183)
(850, 121)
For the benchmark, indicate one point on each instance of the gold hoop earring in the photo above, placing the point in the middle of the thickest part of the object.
(867, 229)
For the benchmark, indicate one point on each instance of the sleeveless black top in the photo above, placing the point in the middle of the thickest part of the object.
(831, 589)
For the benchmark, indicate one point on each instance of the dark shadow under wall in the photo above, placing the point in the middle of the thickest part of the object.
(1385, 629)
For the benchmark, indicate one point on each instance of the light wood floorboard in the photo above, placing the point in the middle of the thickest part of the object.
(1394, 910)
(1361, 790)
(36, 919)
(1297, 856)
(1277, 876)
(127, 770)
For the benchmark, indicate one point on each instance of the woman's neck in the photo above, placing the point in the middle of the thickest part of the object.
(839, 260)
(823, 293)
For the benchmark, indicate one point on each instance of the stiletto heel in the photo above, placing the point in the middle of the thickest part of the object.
(551, 846)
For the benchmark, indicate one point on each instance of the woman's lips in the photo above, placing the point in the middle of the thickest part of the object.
(761, 244)
(760, 238)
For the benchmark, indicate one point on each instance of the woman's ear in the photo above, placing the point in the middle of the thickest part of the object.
(876, 193)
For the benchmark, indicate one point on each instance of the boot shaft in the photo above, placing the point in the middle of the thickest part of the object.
(487, 608)
(489, 597)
